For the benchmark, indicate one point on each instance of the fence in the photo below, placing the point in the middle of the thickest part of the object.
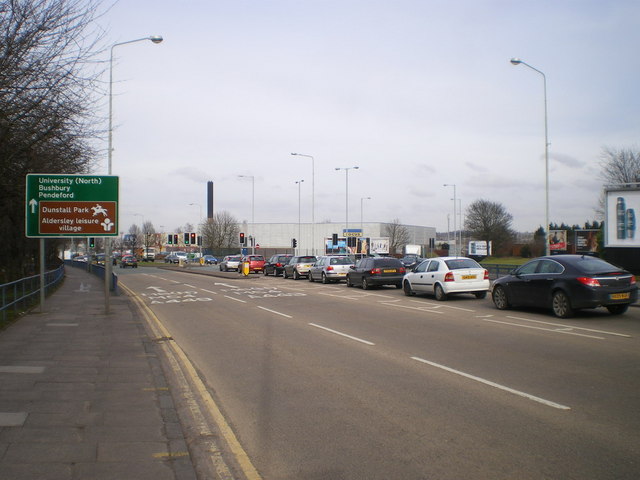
(21, 294)
(95, 269)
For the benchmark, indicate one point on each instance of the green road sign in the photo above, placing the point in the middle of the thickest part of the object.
(71, 206)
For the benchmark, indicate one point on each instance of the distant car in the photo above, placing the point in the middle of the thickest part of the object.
(128, 261)
(566, 283)
(331, 268)
(210, 260)
(376, 271)
(298, 267)
(411, 260)
(256, 263)
(175, 257)
(275, 265)
(443, 276)
(230, 262)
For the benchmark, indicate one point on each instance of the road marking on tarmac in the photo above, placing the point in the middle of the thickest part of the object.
(366, 342)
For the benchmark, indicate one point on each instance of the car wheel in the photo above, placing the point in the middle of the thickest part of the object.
(499, 297)
(296, 275)
(310, 277)
(285, 274)
(617, 309)
(264, 272)
(439, 293)
(365, 284)
(348, 280)
(481, 294)
(408, 291)
(561, 305)
(325, 280)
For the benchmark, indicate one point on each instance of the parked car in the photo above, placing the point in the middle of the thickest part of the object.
(566, 283)
(210, 260)
(330, 268)
(298, 267)
(275, 265)
(256, 263)
(230, 262)
(175, 257)
(444, 276)
(128, 261)
(376, 271)
(411, 260)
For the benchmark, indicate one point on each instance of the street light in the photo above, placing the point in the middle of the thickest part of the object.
(107, 246)
(299, 183)
(362, 213)
(517, 61)
(346, 171)
(454, 213)
(253, 198)
(313, 200)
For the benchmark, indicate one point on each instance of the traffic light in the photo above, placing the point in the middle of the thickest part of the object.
(193, 239)
(175, 239)
(186, 238)
(294, 243)
(334, 239)
(199, 240)
(92, 242)
(241, 238)
(170, 239)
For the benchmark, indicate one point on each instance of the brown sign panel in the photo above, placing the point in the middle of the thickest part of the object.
(82, 218)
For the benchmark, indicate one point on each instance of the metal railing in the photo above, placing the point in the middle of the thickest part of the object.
(21, 294)
(95, 269)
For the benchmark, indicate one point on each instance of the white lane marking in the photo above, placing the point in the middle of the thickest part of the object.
(442, 305)
(495, 385)
(420, 309)
(342, 334)
(236, 299)
(209, 291)
(339, 296)
(190, 286)
(571, 327)
(273, 311)
(553, 330)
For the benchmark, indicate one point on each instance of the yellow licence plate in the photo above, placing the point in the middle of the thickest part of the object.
(620, 296)
(468, 277)
(390, 271)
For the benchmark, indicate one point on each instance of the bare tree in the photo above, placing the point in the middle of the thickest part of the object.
(48, 78)
(398, 235)
(221, 231)
(149, 237)
(489, 221)
(619, 166)
(133, 240)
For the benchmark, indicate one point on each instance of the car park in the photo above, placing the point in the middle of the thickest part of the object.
(128, 261)
(566, 283)
(210, 260)
(443, 276)
(256, 263)
(376, 271)
(330, 268)
(275, 265)
(299, 266)
(230, 262)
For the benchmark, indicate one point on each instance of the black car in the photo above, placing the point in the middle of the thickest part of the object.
(375, 271)
(411, 260)
(566, 283)
(275, 265)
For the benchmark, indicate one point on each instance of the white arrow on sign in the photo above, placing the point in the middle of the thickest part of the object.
(33, 204)
(157, 289)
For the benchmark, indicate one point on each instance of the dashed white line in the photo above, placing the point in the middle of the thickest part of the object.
(209, 291)
(495, 385)
(273, 311)
(366, 342)
(570, 327)
(236, 299)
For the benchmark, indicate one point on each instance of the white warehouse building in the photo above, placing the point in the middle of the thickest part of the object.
(280, 235)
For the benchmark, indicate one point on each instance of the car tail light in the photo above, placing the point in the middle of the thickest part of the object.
(375, 271)
(403, 270)
(486, 274)
(449, 277)
(588, 281)
(278, 264)
(329, 268)
(633, 280)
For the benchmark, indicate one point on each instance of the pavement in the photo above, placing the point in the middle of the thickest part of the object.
(83, 394)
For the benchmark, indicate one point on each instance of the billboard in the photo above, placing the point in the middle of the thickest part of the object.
(586, 241)
(620, 217)
(557, 241)
(362, 245)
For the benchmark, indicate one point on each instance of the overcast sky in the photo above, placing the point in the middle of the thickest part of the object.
(417, 94)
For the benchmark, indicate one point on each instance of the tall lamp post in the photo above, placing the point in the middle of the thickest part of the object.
(107, 247)
(517, 61)
(313, 200)
(299, 183)
(454, 213)
(362, 199)
(199, 222)
(253, 203)
(346, 171)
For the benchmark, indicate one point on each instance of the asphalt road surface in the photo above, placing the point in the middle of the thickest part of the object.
(329, 382)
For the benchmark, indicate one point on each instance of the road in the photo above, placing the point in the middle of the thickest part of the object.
(329, 382)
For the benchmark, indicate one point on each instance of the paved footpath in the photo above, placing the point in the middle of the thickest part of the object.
(83, 394)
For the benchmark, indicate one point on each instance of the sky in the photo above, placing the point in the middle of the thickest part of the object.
(417, 94)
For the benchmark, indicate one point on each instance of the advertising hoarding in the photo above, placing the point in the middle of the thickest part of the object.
(586, 241)
(621, 207)
(365, 246)
(557, 241)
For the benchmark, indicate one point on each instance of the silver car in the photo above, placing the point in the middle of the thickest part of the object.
(231, 262)
(299, 266)
(331, 268)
